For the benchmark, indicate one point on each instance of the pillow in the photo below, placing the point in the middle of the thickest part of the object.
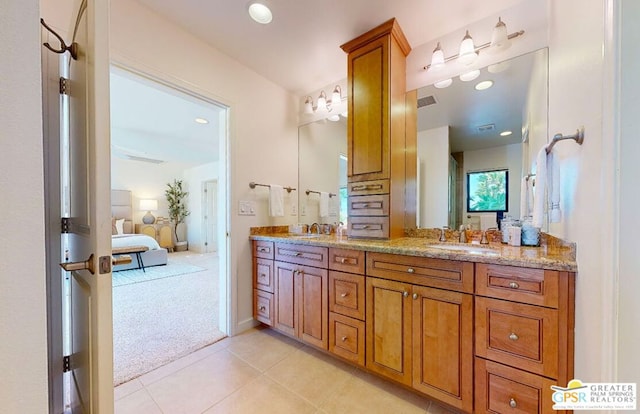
(114, 230)
(120, 226)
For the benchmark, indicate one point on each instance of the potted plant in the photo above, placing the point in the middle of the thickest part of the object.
(177, 209)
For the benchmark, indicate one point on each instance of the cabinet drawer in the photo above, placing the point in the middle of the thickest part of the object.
(371, 205)
(534, 286)
(344, 260)
(346, 294)
(368, 187)
(523, 336)
(263, 306)
(369, 227)
(302, 254)
(346, 337)
(263, 249)
(263, 274)
(501, 389)
(445, 274)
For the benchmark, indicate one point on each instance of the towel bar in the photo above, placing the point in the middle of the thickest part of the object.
(253, 185)
(318, 192)
(577, 137)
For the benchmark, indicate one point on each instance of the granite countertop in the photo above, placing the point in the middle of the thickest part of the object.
(550, 255)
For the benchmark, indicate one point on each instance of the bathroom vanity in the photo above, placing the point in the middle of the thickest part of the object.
(485, 329)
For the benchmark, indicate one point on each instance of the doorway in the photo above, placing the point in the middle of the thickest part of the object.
(162, 133)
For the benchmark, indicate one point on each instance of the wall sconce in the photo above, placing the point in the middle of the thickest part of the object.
(468, 52)
(149, 206)
(322, 105)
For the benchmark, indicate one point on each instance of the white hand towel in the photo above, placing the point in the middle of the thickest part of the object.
(276, 201)
(524, 197)
(553, 174)
(541, 181)
(324, 204)
(532, 183)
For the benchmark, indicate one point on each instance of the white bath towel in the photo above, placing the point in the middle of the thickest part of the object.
(553, 177)
(324, 204)
(276, 200)
(524, 197)
(541, 182)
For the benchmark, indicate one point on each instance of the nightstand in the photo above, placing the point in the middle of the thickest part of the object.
(162, 233)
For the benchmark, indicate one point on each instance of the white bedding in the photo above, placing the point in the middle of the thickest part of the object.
(126, 240)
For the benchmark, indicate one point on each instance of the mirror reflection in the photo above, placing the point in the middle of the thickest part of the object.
(458, 133)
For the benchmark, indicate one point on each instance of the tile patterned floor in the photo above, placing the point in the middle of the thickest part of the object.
(261, 371)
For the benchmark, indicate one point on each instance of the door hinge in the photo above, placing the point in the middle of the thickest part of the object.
(65, 225)
(64, 86)
(66, 363)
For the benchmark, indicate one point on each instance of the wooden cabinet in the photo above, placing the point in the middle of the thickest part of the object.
(524, 327)
(376, 132)
(301, 293)
(162, 233)
(263, 282)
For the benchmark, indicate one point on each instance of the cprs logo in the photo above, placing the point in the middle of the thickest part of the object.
(589, 396)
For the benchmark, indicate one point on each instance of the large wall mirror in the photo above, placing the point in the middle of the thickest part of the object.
(459, 131)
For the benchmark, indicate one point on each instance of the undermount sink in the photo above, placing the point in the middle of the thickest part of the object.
(470, 249)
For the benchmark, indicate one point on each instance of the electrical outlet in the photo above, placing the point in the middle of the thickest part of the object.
(303, 210)
(246, 208)
(294, 210)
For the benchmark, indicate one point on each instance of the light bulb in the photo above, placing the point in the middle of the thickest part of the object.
(260, 13)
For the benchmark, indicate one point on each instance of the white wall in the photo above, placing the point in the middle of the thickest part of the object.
(193, 182)
(629, 152)
(433, 155)
(505, 156)
(23, 327)
(535, 114)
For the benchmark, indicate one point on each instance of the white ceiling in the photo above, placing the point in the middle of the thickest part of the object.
(300, 48)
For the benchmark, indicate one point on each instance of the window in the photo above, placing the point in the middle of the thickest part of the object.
(487, 191)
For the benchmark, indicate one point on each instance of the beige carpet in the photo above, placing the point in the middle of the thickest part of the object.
(158, 321)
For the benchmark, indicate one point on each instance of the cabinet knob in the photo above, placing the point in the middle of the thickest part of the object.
(514, 285)
(344, 338)
(405, 294)
(344, 295)
(410, 270)
(342, 260)
(513, 337)
(263, 276)
(298, 254)
(263, 308)
(513, 403)
(415, 296)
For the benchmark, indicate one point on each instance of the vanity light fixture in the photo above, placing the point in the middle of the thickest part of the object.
(481, 86)
(260, 12)
(322, 104)
(468, 52)
(201, 121)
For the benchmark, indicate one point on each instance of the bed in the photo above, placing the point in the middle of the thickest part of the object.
(123, 235)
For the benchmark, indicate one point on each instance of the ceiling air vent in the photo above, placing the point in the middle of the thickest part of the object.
(426, 101)
(487, 128)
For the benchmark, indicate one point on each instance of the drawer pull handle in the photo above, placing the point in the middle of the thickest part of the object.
(263, 249)
(366, 226)
(262, 308)
(344, 338)
(298, 254)
(410, 270)
(514, 285)
(405, 294)
(344, 295)
(342, 260)
(415, 296)
(513, 403)
(513, 337)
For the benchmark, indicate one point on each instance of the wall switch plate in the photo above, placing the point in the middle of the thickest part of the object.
(246, 208)
(303, 210)
(294, 210)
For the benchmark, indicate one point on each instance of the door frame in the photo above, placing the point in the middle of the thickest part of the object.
(209, 246)
(227, 293)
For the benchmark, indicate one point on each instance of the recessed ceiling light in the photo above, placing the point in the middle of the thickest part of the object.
(443, 83)
(201, 121)
(505, 133)
(260, 13)
(469, 76)
(481, 86)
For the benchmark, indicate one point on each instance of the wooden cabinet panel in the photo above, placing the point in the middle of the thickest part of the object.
(345, 260)
(346, 338)
(263, 306)
(534, 286)
(286, 306)
(263, 249)
(443, 345)
(346, 294)
(502, 389)
(362, 188)
(388, 329)
(369, 227)
(162, 233)
(373, 205)
(302, 254)
(520, 335)
(263, 275)
(445, 274)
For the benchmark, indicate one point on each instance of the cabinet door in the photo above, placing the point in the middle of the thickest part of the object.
(388, 330)
(148, 230)
(312, 285)
(285, 297)
(165, 238)
(368, 134)
(443, 345)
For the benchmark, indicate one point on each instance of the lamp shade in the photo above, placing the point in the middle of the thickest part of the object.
(468, 52)
(149, 205)
(437, 58)
(499, 37)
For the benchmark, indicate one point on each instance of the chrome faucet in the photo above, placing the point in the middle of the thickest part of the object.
(484, 239)
(443, 236)
(317, 228)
